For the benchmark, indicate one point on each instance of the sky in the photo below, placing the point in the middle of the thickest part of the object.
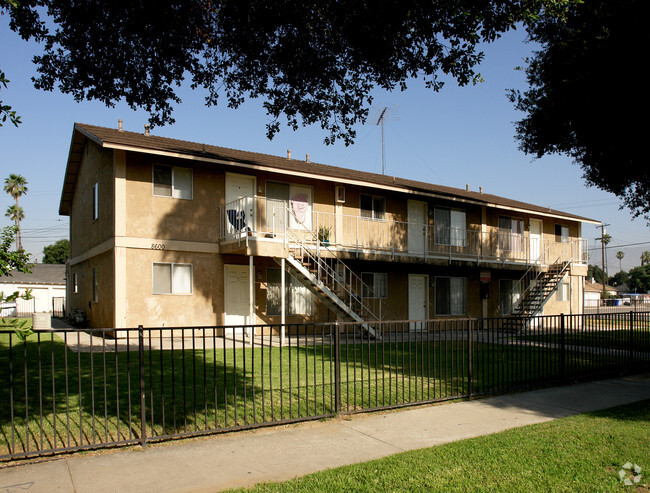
(457, 137)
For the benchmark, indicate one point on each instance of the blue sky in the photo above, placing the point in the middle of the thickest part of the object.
(455, 137)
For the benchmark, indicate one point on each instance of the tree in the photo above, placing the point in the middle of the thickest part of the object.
(9, 261)
(16, 186)
(5, 110)
(618, 279)
(595, 272)
(585, 85)
(645, 258)
(619, 255)
(639, 281)
(16, 214)
(57, 253)
(309, 61)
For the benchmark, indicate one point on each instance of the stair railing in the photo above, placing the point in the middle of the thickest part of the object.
(523, 285)
(331, 270)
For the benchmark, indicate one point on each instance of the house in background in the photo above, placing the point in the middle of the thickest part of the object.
(47, 282)
(165, 232)
(594, 293)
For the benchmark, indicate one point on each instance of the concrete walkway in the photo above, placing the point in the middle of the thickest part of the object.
(280, 453)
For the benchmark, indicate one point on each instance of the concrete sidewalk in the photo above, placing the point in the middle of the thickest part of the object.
(280, 453)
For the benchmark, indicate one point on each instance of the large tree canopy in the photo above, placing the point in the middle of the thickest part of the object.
(585, 96)
(310, 61)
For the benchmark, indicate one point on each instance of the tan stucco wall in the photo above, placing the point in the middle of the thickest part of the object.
(96, 167)
(152, 216)
(199, 308)
(99, 313)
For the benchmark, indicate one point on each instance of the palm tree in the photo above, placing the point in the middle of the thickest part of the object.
(619, 256)
(16, 214)
(16, 186)
(645, 257)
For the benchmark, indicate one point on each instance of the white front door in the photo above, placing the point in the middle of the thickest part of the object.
(240, 210)
(418, 299)
(417, 218)
(236, 297)
(535, 239)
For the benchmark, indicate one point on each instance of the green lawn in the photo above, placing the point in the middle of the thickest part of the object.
(579, 453)
(97, 400)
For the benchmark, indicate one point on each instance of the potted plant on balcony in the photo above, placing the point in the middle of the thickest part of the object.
(324, 235)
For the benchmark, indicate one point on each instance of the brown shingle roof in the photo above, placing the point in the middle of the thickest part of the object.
(109, 137)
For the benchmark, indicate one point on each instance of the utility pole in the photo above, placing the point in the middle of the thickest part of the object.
(603, 232)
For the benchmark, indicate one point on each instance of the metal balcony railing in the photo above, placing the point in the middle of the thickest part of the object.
(259, 217)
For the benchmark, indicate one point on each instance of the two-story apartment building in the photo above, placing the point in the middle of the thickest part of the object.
(166, 232)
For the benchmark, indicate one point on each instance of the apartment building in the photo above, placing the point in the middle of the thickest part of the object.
(166, 232)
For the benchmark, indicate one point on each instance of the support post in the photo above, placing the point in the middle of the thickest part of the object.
(283, 300)
(337, 367)
(470, 358)
(143, 410)
(562, 348)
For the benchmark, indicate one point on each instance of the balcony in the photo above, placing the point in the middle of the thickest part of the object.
(250, 220)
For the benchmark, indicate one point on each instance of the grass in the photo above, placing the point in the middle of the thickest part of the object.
(97, 399)
(579, 453)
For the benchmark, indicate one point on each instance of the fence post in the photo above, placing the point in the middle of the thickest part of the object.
(631, 341)
(470, 357)
(562, 349)
(143, 411)
(337, 367)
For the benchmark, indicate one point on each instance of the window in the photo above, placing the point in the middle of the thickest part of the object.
(172, 181)
(563, 291)
(95, 285)
(561, 233)
(75, 285)
(372, 207)
(511, 234)
(298, 298)
(95, 211)
(509, 295)
(449, 227)
(172, 278)
(375, 285)
(451, 295)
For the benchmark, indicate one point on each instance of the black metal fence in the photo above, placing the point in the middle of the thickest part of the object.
(73, 390)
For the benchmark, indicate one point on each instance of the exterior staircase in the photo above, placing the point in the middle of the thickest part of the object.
(535, 287)
(320, 270)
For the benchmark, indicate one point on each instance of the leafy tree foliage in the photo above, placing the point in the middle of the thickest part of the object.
(309, 61)
(645, 258)
(57, 253)
(639, 281)
(596, 272)
(618, 279)
(584, 97)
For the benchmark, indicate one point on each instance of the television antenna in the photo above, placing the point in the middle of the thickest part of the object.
(381, 114)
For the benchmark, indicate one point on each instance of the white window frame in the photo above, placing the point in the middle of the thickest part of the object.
(511, 240)
(172, 265)
(516, 296)
(294, 290)
(452, 280)
(95, 204)
(451, 236)
(564, 233)
(375, 215)
(174, 192)
(563, 291)
(378, 278)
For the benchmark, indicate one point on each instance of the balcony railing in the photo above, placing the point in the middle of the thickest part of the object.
(261, 218)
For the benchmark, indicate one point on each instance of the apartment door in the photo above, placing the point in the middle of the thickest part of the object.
(417, 220)
(300, 206)
(236, 297)
(240, 207)
(535, 239)
(417, 300)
